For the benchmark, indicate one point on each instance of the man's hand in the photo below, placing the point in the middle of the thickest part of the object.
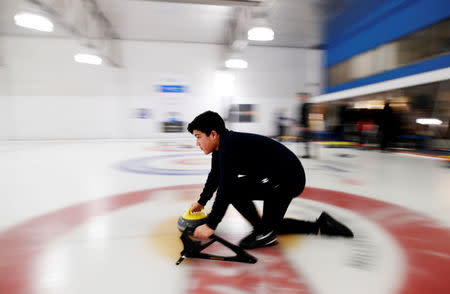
(203, 232)
(195, 207)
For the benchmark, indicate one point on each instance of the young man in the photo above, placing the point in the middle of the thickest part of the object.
(247, 167)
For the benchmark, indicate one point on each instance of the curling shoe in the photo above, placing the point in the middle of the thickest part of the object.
(258, 240)
(331, 227)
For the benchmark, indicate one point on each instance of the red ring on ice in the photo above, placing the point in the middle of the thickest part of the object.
(426, 244)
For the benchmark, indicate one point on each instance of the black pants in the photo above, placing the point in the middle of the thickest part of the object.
(276, 201)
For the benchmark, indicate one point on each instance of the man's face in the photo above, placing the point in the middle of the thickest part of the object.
(207, 143)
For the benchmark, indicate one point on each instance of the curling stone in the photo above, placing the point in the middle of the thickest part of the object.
(190, 220)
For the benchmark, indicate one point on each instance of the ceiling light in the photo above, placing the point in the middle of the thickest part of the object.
(428, 121)
(236, 63)
(87, 58)
(33, 21)
(260, 34)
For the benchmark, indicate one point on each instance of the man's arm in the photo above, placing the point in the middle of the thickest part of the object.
(218, 210)
(205, 231)
(225, 192)
(212, 182)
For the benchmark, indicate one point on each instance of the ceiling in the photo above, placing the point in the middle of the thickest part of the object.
(296, 23)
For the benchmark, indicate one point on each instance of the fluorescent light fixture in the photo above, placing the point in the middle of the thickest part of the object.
(428, 121)
(236, 63)
(87, 58)
(260, 34)
(33, 21)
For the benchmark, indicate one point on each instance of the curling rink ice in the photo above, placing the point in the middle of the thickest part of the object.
(100, 217)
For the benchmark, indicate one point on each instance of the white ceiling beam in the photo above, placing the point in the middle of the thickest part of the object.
(216, 2)
(84, 19)
(238, 29)
(242, 22)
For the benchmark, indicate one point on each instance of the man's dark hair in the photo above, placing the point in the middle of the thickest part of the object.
(207, 122)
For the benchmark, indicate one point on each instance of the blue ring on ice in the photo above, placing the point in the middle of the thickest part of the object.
(142, 166)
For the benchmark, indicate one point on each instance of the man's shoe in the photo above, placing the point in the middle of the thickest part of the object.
(258, 240)
(249, 238)
(305, 156)
(331, 227)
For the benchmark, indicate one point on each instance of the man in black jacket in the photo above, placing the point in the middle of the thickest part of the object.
(247, 167)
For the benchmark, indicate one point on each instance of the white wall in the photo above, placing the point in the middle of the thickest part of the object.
(45, 95)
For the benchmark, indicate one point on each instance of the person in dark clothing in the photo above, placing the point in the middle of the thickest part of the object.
(282, 124)
(387, 127)
(339, 130)
(304, 131)
(247, 167)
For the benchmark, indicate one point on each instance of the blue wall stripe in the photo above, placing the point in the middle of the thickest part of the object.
(359, 16)
(416, 68)
(393, 19)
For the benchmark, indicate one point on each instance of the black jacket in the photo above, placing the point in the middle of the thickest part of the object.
(304, 114)
(249, 155)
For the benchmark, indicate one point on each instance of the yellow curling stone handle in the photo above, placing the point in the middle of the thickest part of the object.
(189, 215)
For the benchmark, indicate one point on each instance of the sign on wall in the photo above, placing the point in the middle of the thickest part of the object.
(242, 113)
(172, 90)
